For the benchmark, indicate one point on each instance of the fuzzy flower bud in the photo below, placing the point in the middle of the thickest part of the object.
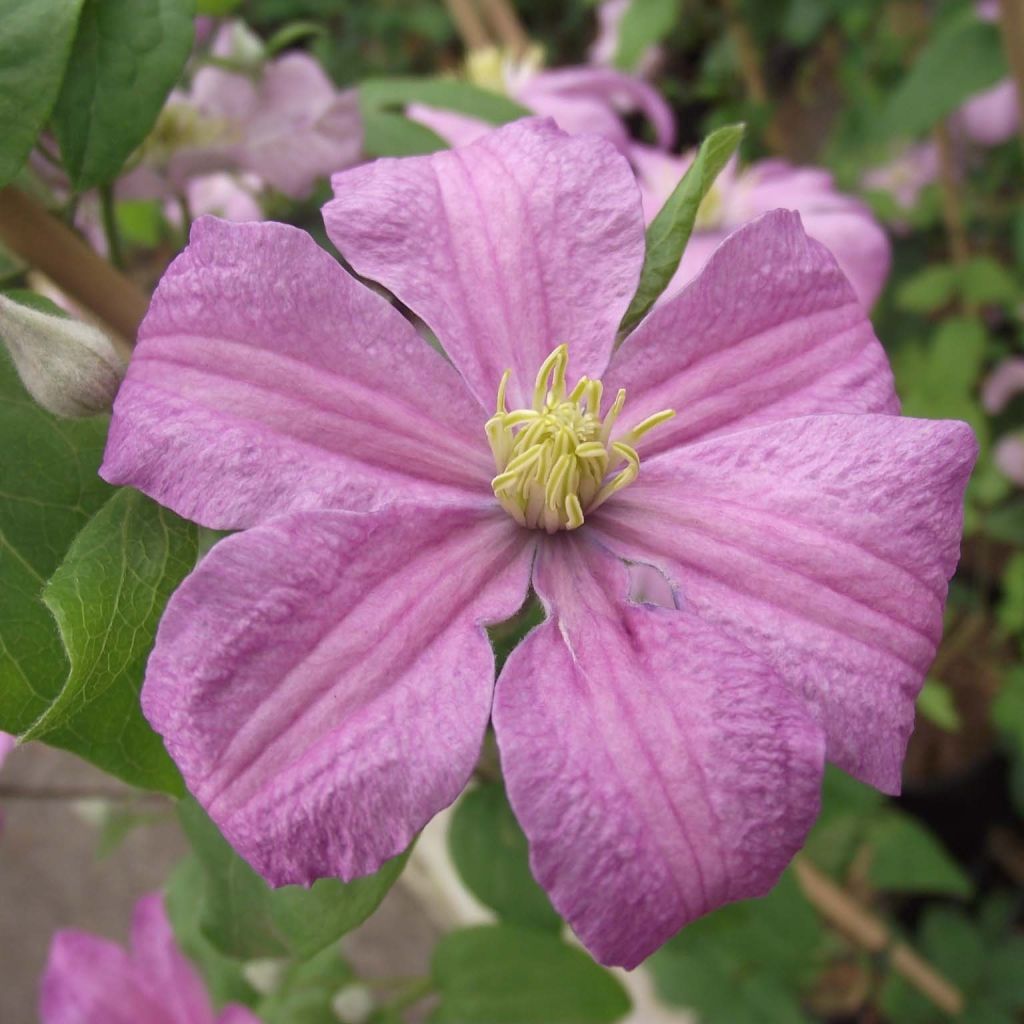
(70, 368)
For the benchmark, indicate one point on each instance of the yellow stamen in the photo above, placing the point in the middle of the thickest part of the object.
(556, 462)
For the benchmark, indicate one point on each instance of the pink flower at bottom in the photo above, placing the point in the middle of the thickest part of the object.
(90, 980)
(842, 224)
(324, 679)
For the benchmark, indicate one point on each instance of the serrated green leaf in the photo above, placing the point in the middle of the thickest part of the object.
(243, 917)
(963, 57)
(507, 975)
(645, 23)
(446, 94)
(935, 702)
(389, 134)
(906, 857)
(49, 489)
(126, 58)
(490, 853)
(670, 230)
(107, 597)
(34, 47)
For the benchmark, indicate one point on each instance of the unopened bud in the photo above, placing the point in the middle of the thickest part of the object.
(354, 1004)
(70, 368)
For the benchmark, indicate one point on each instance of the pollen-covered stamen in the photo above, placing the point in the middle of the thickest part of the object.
(557, 461)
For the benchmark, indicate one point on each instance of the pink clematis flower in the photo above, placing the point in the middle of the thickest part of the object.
(323, 679)
(841, 223)
(90, 980)
(990, 117)
(581, 100)
(285, 122)
(906, 175)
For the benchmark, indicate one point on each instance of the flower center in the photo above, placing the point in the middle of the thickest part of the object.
(556, 461)
(182, 126)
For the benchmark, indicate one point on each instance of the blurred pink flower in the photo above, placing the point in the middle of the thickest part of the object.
(581, 100)
(844, 225)
(991, 117)
(1002, 385)
(324, 679)
(90, 980)
(906, 175)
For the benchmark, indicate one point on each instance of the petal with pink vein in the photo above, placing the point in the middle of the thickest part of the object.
(658, 768)
(323, 680)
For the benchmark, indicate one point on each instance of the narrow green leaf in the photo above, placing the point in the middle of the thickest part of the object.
(383, 93)
(107, 597)
(243, 917)
(645, 23)
(292, 33)
(1008, 710)
(963, 56)
(906, 857)
(506, 975)
(34, 45)
(489, 851)
(670, 230)
(928, 290)
(49, 489)
(389, 134)
(126, 57)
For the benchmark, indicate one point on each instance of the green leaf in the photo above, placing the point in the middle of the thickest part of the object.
(645, 23)
(963, 56)
(935, 702)
(306, 990)
(730, 966)
(184, 897)
(389, 134)
(49, 489)
(986, 281)
(126, 57)
(292, 33)
(382, 93)
(243, 917)
(34, 47)
(489, 851)
(906, 857)
(928, 290)
(1008, 710)
(506, 975)
(217, 8)
(107, 597)
(670, 230)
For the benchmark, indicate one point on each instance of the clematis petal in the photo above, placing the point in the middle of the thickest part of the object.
(323, 680)
(507, 247)
(771, 329)
(612, 89)
(658, 768)
(89, 980)
(456, 129)
(171, 981)
(825, 545)
(991, 117)
(266, 379)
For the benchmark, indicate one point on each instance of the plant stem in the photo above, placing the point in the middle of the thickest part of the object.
(872, 934)
(419, 989)
(506, 25)
(952, 206)
(109, 215)
(468, 24)
(1011, 22)
(43, 242)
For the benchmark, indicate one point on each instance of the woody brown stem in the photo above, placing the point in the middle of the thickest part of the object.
(43, 242)
(506, 25)
(952, 206)
(872, 934)
(468, 24)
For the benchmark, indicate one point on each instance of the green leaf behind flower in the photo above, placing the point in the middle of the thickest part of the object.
(34, 45)
(490, 853)
(107, 597)
(506, 975)
(49, 489)
(243, 917)
(645, 23)
(670, 230)
(444, 93)
(126, 58)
